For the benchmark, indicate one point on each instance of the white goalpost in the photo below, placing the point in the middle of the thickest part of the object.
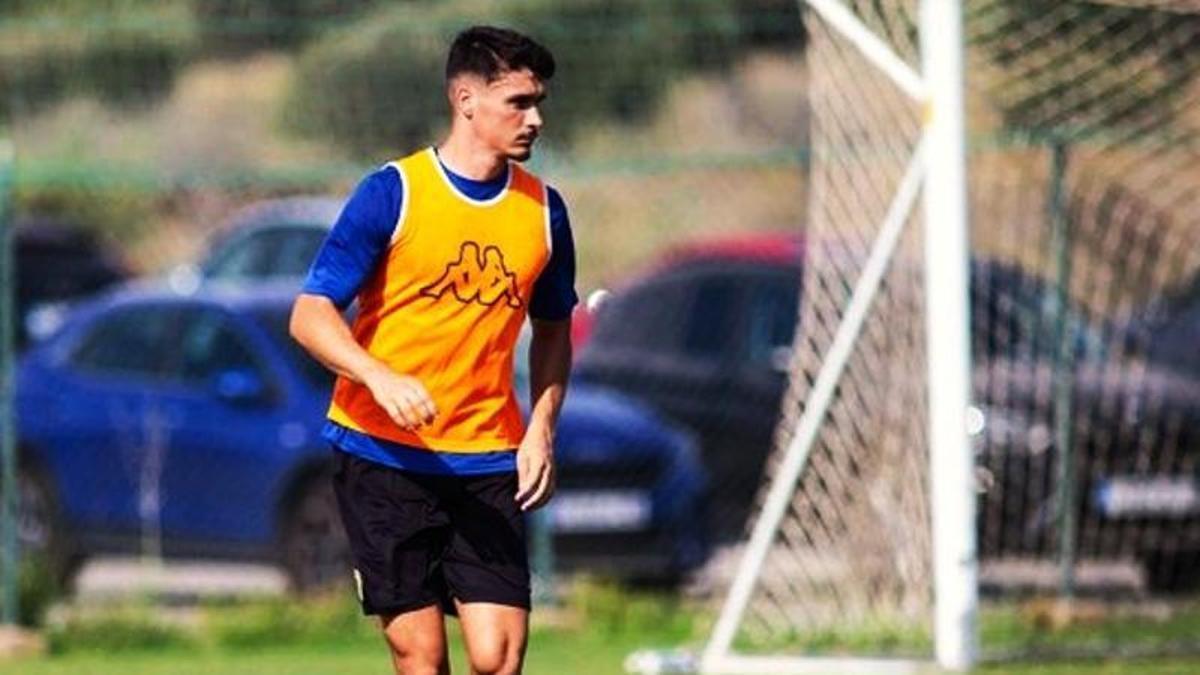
(935, 170)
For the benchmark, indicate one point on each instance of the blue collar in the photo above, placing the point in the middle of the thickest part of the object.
(479, 190)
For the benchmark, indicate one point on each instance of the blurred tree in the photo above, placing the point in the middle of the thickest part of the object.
(123, 52)
(377, 84)
(120, 68)
(235, 26)
(370, 86)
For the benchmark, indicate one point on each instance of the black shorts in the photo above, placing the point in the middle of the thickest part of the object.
(422, 539)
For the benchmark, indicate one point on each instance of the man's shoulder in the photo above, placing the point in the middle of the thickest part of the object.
(558, 206)
(383, 181)
(552, 193)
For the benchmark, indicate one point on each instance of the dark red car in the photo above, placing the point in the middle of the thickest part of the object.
(704, 336)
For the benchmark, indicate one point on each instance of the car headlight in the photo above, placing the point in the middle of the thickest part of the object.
(43, 320)
(1013, 430)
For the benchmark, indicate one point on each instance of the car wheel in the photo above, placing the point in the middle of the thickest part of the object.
(314, 549)
(1172, 571)
(40, 535)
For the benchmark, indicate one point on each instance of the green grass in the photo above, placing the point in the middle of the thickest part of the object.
(1015, 629)
(550, 652)
(1113, 667)
(598, 627)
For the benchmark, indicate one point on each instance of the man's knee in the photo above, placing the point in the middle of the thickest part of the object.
(416, 651)
(496, 656)
(419, 663)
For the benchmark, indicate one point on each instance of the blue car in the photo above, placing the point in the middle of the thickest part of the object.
(189, 425)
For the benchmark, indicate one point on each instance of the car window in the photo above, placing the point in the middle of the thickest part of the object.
(245, 257)
(132, 341)
(275, 321)
(209, 346)
(1016, 315)
(296, 252)
(710, 323)
(285, 251)
(771, 319)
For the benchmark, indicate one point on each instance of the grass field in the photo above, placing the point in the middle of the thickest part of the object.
(594, 631)
(550, 654)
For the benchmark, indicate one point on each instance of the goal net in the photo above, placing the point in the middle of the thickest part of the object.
(1081, 278)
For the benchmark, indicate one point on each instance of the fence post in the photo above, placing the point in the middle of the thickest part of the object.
(1064, 367)
(9, 555)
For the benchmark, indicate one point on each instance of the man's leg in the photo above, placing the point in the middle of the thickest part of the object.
(487, 571)
(495, 636)
(417, 640)
(397, 531)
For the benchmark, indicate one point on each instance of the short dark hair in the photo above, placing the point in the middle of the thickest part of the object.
(489, 52)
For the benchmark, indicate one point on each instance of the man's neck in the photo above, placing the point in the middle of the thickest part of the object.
(469, 160)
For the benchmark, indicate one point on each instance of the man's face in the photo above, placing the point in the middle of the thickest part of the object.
(505, 115)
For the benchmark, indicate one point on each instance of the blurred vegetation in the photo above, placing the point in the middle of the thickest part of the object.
(377, 82)
(179, 103)
(37, 588)
(122, 52)
(234, 26)
(121, 212)
(239, 99)
(604, 611)
(609, 609)
(374, 74)
(597, 625)
(282, 621)
(125, 628)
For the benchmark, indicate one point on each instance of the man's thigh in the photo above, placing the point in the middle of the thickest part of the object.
(398, 533)
(487, 560)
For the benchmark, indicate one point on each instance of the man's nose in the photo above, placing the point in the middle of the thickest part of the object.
(533, 117)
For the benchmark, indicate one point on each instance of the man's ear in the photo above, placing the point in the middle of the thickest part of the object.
(463, 97)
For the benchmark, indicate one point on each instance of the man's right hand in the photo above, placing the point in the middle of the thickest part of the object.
(402, 397)
(319, 327)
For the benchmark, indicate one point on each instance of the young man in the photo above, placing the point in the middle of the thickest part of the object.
(447, 251)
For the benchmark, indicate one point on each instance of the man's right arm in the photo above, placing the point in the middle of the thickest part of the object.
(348, 257)
(318, 326)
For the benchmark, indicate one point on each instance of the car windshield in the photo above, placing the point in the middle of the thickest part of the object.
(275, 321)
(282, 251)
(1015, 314)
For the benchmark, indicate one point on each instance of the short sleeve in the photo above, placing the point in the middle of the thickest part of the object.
(358, 239)
(554, 292)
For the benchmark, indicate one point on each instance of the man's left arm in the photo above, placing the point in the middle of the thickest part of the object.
(550, 310)
(549, 368)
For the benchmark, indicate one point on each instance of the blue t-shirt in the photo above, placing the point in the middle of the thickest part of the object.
(356, 244)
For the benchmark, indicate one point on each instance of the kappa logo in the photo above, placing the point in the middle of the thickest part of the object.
(477, 276)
